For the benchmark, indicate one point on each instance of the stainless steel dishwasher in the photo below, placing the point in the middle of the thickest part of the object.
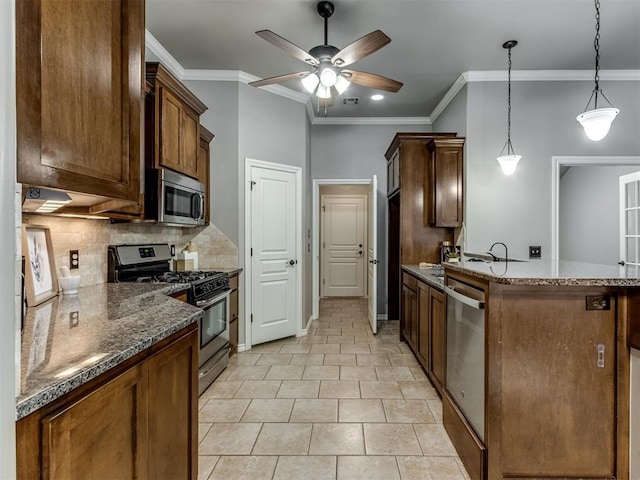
(465, 351)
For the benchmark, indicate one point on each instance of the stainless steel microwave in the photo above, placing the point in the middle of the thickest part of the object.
(174, 199)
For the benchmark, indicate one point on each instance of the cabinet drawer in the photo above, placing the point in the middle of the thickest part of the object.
(410, 281)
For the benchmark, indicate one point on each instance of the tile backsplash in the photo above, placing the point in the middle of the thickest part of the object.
(91, 237)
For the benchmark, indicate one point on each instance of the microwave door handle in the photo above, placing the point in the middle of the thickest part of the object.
(201, 216)
(195, 205)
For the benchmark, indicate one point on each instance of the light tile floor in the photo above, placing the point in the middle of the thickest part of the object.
(339, 403)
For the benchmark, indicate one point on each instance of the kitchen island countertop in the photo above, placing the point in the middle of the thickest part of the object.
(72, 339)
(549, 272)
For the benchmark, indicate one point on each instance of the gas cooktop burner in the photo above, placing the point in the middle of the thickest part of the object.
(177, 277)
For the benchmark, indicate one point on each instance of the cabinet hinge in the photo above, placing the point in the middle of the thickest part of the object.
(252, 183)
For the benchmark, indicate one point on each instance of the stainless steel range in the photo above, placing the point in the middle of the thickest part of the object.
(208, 290)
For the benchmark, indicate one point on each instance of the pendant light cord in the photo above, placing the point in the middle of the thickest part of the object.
(509, 147)
(596, 45)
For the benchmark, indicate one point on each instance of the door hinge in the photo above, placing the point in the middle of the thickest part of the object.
(323, 208)
(322, 244)
(323, 281)
(251, 253)
(252, 183)
(252, 318)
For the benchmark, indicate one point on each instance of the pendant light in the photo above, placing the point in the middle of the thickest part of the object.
(510, 160)
(597, 122)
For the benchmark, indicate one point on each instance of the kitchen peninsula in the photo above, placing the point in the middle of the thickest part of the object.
(109, 384)
(537, 367)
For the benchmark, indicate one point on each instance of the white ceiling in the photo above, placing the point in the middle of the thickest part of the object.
(433, 41)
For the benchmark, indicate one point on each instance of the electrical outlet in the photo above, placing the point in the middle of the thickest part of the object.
(74, 259)
(535, 251)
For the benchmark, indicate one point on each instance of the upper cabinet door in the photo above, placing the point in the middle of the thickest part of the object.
(443, 183)
(173, 119)
(79, 72)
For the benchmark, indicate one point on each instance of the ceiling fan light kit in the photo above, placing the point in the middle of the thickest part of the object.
(327, 62)
(509, 161)
(597, 121)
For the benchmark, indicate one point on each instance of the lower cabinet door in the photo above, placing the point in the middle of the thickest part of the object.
(102, 435)
(423, 325)
(437, 336)
(173, 410)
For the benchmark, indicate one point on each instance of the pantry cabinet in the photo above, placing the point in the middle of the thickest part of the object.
(172, 123)
(79, 96)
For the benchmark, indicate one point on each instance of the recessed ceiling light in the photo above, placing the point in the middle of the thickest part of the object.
(377, 97)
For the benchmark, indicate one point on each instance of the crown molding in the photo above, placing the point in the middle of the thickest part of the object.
(470, 76)
(163, 54)
(529, 76)
(371, 121)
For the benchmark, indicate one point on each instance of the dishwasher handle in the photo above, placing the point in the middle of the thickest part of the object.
(473, 303)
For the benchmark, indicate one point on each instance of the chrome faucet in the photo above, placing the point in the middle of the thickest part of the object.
(506, 254)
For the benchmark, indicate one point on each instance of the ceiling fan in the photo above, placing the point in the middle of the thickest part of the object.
(327, 62)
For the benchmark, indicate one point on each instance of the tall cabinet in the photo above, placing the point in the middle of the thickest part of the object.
(424, 189)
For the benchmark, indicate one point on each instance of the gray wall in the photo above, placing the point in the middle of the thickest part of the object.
(7, 240)
(589, 223)
(357, 152)
(454, 117)
(516, 209)
(222, 118)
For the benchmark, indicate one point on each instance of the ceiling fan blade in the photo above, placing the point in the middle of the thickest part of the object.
(372, 80)
(278, 79)
(360, 48)
(287, 46)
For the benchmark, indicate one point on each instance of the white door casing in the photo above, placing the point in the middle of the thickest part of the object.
(343, 245)
(629, 214)
(273, 237)
(372, 254)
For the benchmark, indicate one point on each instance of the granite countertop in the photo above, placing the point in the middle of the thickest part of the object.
(430, 275)
(72, 339)
(549, 272)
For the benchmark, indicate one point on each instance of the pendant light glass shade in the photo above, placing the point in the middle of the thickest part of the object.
(342, 84)
(597, 121)
(508, 163)
(310, 82)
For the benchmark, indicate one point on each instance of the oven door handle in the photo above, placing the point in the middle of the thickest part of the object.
(208, 303)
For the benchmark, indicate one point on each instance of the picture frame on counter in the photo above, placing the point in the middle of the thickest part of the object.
(41, 281)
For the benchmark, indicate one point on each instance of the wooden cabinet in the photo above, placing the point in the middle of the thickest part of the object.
(172, 123)
(203, 168)
(410, 240)
(233, 308)
(409, 318)
(443, 182)
(422, 323)
(137, 420)
(79, 91)
(437, 338)
(172, 414)
(393, 172)
(105, 431)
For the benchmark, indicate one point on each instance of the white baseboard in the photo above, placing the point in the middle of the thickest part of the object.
(303, 332)
(383, 316)
(242, 348)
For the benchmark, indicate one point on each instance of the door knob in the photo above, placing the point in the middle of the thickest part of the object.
(292, 262)
(360, 253)
(621, 262)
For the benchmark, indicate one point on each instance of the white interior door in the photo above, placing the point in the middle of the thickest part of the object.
(343, 245)
(274, 262)
(372, 253)
(629, 217)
